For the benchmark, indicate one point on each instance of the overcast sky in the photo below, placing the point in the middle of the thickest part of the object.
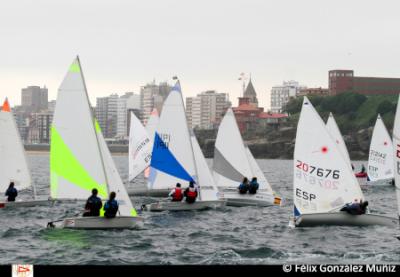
(207, 44)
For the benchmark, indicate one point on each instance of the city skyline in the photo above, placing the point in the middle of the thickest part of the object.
(206, 44)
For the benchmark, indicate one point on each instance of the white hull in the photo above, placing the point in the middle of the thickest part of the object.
(119, 222)
(184, 206)
(29, 203)
(344, 219)
(144, 191)
(379, 183)
(233, 198)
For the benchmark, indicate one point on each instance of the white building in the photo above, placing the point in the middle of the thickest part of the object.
(152, 96)
(205, 111)
(112, 115)
(280, 95)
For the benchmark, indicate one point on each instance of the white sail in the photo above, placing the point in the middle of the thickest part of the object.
(172, 158)
(337, 136)
(396, 153)
(230, 159)
(323, 181)
(75, 159)
(113, 179)
(257, 172)
(208, 190)
(151, 128)
(13, 163)
(140, 148)
(380, 160)
(152, 124)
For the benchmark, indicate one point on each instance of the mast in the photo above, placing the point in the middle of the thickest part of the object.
(93, 123)
(190, 138)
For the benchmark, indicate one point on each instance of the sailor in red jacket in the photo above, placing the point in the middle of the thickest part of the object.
(176, 193)
(190, 193)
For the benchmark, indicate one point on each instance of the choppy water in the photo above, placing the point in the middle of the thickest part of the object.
(247, 235)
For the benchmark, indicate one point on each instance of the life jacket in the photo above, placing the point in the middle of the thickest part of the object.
(191, 194)
(177, 195)
(110, 208)
(361, 175)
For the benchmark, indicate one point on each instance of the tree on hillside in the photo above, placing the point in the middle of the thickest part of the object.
(385, 107)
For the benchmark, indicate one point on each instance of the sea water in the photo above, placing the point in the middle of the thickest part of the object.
(245, 235)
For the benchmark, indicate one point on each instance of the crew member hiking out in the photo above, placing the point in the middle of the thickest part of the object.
(190, 193)
(176, 193)
(244, 186)
(111, 206)
(11, 192)
(253, 186)
(356, 208)
(93, 205)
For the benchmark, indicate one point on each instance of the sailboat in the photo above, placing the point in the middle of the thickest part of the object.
(140, 147)
(177, 158)
(13, 162)
(396, 155)
(380, 160)
(323, 182)
(232, 162)
(333, 129)
(80, 160)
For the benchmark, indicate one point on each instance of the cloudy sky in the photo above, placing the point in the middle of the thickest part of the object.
(125, 44)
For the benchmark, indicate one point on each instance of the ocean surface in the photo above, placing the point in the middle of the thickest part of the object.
(246, 235)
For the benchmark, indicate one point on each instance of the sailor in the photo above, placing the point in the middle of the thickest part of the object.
(176, 193)
(362, 168)
(352, 167)
(244, 186)
(253, 186)
(356, 208)
(11, 192)
(111, 206)
(190, 193)
(93, 205)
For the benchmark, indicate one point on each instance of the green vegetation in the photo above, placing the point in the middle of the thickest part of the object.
(352, 111)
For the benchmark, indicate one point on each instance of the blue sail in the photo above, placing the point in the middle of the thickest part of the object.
(164, 160)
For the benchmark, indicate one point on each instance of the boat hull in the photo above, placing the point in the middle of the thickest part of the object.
(144, 191)
(29, 203)
(101, 223)
(344, 219)
(233, 198)
(184, 206)
(379, 183)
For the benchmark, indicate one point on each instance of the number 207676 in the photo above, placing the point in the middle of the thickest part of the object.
(318, 171)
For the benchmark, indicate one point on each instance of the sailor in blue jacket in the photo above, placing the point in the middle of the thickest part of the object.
(111, 206)
(11, 192)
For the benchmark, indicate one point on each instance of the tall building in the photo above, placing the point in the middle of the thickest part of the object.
(112, 113)
(34, 98)
(152, 96)
(205, 111)
(280, 95)
(341, 81)
(39, 127)
(133, 105)
(106, 114)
